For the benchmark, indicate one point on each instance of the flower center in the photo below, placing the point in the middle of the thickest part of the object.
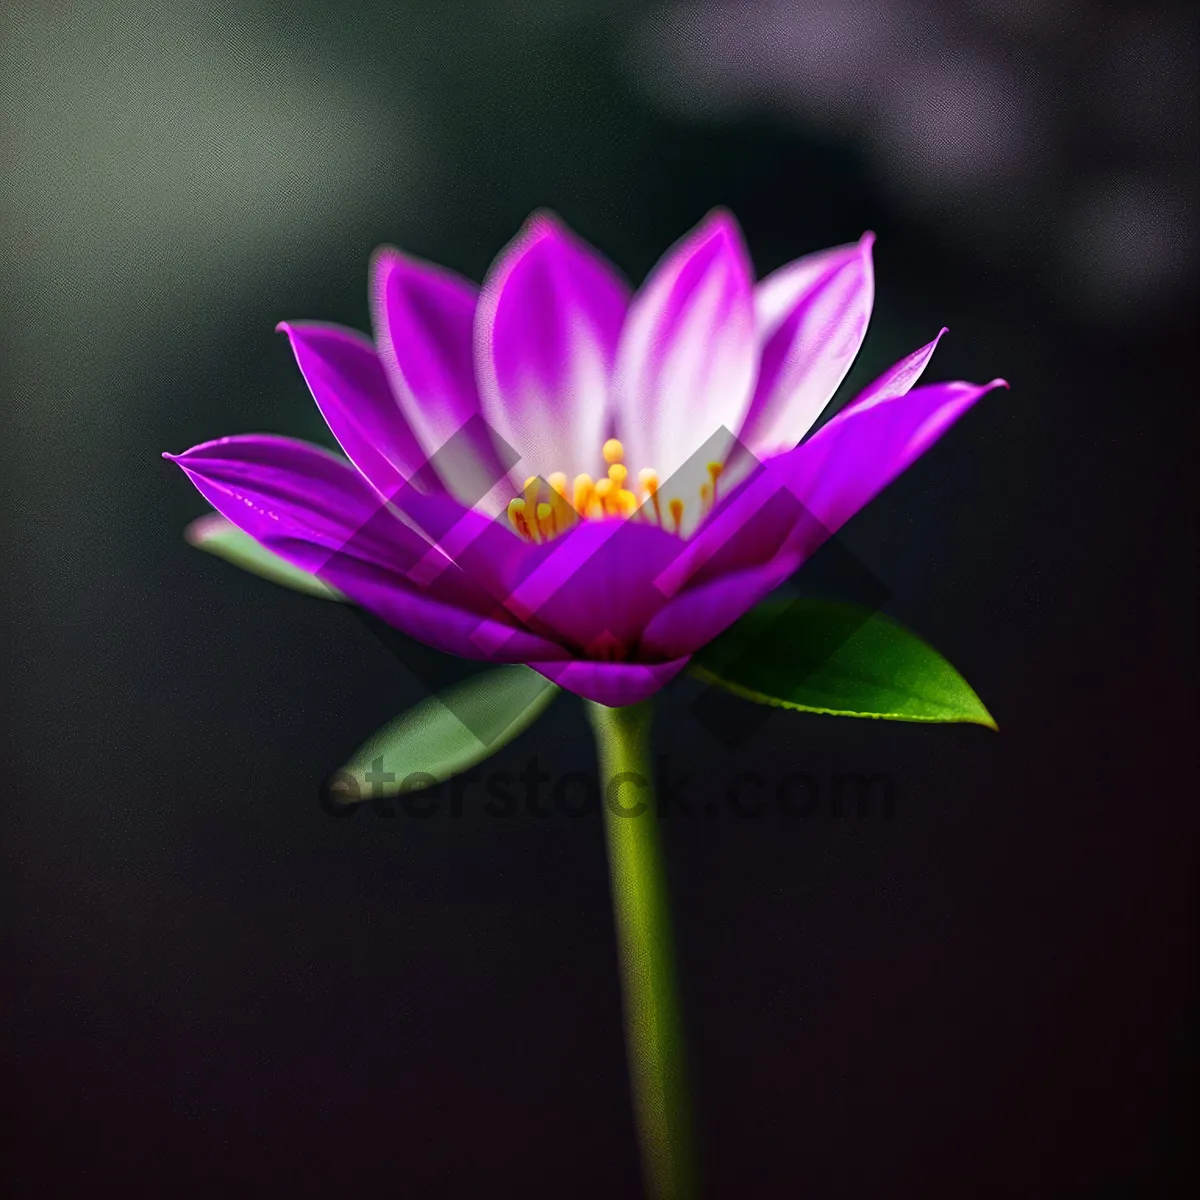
(547, 509)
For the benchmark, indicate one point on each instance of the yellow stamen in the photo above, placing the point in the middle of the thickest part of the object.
(603, 492)
(549, 507)
(714, 473)
(648, 478)
(564, 512)
(583, 493)
(533, 488)
(676, 507)
(516, 516)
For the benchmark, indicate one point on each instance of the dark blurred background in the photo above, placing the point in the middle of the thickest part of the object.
(210, 986)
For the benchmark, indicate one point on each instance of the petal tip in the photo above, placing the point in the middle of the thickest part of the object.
(385, 262)
(541, 225)
(720, 223)
(384, 255)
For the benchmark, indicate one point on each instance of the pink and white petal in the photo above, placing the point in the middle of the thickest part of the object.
(351, 389)
(687, 359)
(611, 684)
(546, 330)
(424, 318)
(811, 316)
(731, 540)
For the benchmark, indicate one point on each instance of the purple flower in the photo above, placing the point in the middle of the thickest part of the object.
(550, 470)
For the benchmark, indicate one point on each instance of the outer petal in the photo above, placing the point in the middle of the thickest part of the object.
(424, 319)
(830, 477)
(850, 460)
(613, 684)
(900, 377)
(699, 614)
(546, 331)
(318, 513)
(744, 542)
(279, 490)
(812, 317)
(687, 359)
(351, 389)
(594, 588)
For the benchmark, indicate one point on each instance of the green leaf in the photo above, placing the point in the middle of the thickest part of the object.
(446, 734)
(218, 536)
(828, 657)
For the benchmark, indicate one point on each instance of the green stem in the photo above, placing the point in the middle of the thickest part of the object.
(653, 1035)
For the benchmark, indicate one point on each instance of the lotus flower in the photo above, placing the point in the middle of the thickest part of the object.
(553, 471)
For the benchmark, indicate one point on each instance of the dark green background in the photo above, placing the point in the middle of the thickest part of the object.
(213, 988)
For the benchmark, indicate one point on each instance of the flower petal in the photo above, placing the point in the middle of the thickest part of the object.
(351, 389)
(687, 359)
(281, 491)
(424, 320)
(546, 332)
(699, 614)
(316, 512)
(594, 587)
(828, 479)
(613, 684)
(849, 461)
(775, 510)
(898, 378)
(811, 319)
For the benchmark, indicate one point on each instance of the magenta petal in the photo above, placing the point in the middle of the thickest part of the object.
(611, 684)
(699, 614)
(732, 541)
(687, 359)
(444, 626)
(279, 490)
(747, 529)
(317, 512)
(594, 588)
(546, 327)
(424, 319)
(847, 462)
(899, 378)
(812, 317)
(351, 389)
(827, 479)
